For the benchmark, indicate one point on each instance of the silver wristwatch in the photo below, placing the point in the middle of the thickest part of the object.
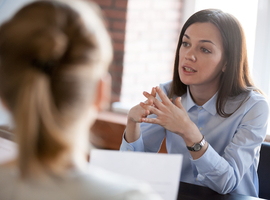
(197, 146)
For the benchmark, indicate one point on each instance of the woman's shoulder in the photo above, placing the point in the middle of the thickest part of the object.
(7, 171)
(108, 185)
(250, 98)
(256, 98)
(247, 101)
(94, 184)
(7, 181)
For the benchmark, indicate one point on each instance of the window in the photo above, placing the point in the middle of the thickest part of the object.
(152, 31)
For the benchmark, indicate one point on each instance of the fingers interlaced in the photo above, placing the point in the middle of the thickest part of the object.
(151, 120)
(178, 103)
(152, 105)
(161, 108)
(164, 98)
(155, 102)
(153, 92)
(150, 109)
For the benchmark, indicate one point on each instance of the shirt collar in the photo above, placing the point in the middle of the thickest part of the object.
(190, 102)
(209, 106)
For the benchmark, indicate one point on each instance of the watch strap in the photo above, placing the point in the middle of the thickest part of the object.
(197, 146)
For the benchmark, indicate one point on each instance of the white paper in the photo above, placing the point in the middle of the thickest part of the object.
(161, 171)
(8, 150)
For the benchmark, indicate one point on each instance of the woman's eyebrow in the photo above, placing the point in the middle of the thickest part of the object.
(200, 40)
(207, 41)
(186, 36)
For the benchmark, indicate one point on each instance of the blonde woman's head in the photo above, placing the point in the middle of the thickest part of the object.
(53, 55)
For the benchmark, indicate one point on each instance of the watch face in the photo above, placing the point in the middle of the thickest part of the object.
(197, 147)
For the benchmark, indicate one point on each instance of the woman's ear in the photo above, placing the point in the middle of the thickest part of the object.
(103, 95)
(224, 67)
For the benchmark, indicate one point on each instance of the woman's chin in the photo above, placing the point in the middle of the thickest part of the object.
(186, 82)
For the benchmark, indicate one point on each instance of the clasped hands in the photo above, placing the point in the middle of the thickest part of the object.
(172, 117)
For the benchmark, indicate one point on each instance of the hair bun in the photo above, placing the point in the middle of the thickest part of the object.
(49, 45)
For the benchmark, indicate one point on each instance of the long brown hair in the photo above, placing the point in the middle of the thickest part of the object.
(236, 78)
(50, 61)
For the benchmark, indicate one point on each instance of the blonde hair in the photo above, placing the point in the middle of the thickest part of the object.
(51, 56)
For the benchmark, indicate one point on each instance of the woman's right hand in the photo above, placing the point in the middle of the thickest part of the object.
(135, 116)
(137, 112)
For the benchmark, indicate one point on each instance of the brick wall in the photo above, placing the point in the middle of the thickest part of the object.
(115, 12)
(144, 34)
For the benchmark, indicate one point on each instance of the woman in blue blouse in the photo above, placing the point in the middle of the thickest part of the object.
(210, 112)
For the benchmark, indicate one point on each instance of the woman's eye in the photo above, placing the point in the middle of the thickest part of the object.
(185, 44)
(205, 50)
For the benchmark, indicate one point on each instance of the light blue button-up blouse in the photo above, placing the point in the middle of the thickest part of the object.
(230, 162)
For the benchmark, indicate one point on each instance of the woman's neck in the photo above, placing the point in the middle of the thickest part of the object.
(201, 95)
(76, 157)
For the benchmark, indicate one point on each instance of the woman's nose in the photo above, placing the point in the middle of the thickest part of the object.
(190, 56)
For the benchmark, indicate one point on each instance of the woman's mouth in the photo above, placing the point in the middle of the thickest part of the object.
(188, 69)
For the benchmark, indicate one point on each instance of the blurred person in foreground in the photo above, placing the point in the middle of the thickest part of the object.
(53, 79)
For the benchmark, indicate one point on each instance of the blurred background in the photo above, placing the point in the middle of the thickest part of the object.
(144, 35)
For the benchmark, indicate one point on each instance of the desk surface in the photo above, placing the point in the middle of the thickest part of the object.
(195, 192)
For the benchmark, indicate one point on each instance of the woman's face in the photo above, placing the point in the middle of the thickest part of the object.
(201, 56)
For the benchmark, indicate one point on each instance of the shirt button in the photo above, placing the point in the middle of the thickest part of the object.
(201, 128)
(200, 108)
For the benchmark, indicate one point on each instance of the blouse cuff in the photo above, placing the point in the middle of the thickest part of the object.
(207, 162)
(133, 146)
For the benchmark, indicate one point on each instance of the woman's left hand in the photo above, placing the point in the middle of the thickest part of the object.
(172, 117)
